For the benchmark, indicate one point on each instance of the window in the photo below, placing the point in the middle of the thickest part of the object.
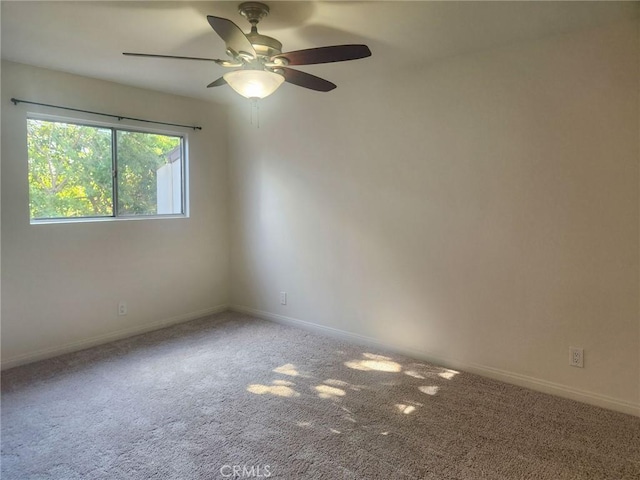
(84, 171)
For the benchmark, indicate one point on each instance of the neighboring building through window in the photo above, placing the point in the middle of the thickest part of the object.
(85, 171)
(169, 182)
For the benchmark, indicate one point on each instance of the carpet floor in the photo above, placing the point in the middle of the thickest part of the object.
(231, 396)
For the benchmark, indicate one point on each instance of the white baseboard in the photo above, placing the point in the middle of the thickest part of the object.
(106, 338)
(483, 370)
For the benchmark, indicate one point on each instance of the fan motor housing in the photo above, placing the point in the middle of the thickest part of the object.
(264, 45)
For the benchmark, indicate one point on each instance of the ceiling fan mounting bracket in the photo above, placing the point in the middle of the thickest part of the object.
(253, 11)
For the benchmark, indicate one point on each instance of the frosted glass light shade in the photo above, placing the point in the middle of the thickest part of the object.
(253, 83)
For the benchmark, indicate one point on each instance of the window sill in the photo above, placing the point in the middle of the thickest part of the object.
(52, 221)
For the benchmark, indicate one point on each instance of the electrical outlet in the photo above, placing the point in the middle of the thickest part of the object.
(283, 298)
(576, 357)
(122, 309)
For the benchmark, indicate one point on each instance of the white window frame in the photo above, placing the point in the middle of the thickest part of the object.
(123, 127)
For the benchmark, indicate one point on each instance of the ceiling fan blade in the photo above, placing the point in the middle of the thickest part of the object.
(217, 83)
(233, 37)
(306, 80)
(335, 53)
(217, 60)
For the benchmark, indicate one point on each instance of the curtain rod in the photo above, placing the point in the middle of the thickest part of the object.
(16, 101)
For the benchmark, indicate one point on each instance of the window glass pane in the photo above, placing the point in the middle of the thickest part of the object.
(70, 170)
(149, 174)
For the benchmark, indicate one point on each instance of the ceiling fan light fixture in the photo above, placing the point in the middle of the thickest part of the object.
(254, 83)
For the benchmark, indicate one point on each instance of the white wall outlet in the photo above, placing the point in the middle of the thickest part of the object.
(576, 357)
(283, 298)
(122, 308)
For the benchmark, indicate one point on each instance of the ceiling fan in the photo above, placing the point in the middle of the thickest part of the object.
(260, 66)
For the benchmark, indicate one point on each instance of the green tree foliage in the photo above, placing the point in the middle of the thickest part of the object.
(70, 170)
(140, 155)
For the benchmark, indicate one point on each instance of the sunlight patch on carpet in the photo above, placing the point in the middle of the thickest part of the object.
(284, 383)
(340, 383)
(287, 369)
(378, 363)
(278, 390)
(448, 374)
(406, 409)
(375, 356)
(429, 389)
(336, 383)
(325, 391)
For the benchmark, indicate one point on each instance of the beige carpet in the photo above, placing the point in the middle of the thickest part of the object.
(235, 397)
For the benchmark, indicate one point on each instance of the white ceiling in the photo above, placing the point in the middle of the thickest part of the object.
(88, 38)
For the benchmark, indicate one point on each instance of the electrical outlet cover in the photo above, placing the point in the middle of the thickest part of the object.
(576, 357)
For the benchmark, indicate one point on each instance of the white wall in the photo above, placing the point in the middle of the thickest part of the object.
(482, 211)
(61, 283)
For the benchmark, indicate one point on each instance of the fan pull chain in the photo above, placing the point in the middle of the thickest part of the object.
(255, 108)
